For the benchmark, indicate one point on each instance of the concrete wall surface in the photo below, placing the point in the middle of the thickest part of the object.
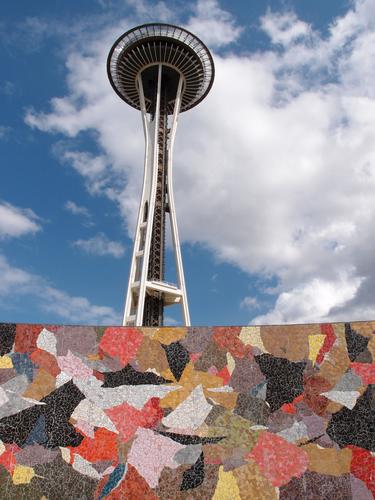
(226, 413)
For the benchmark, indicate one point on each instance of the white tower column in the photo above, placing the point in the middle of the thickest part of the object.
(161, 70)
(140, 285)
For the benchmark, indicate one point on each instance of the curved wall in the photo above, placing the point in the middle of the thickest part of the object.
(172, 413)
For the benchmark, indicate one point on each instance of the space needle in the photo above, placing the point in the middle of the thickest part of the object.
(161, 70)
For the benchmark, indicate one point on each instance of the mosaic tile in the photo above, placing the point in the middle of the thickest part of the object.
(43, 384)
(227, 487)
(187, 413)
(363, 467)
(191, 413)
(129, 376)
(212, 356)
(46, 341)
(151, 356)
(317, 486)
(35, 454)
(291, 342)
(178, 357)
(278, 459)
(296, 433)
(77, 339)
(355, 426)
(328, 460)
(253, 409)
(355, 342)
(252, 484)
(193, 477)
(284, 379)
(188, 454)
(197, 339)
(246, 375)
(7, 336)
(359, 489)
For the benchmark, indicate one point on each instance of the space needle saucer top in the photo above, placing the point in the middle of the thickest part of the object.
(141, 49)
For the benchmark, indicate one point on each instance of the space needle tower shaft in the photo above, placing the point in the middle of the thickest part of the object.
(161, 70)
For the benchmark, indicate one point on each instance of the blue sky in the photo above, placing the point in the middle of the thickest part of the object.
(274, 171)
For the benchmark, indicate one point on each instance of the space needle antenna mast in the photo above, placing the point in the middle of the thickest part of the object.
(161, 70)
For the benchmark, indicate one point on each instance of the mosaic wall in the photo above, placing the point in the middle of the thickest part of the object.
(182, 413)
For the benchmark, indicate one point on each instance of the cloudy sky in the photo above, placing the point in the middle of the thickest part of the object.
(274, 171)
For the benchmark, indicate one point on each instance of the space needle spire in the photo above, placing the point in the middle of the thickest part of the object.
(161, 70)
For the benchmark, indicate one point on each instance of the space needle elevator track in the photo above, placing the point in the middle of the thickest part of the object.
(153, 314)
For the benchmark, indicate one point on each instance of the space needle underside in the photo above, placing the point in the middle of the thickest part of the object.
(168, 45)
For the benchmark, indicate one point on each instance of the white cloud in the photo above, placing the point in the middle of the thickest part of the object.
(4, 132)
(315, 299)
(12, 277)
(16, 282)
(214, 25)
(75, 209)
(250, 303)
(284, 28)
(169, 321)
(93, 168)
(78, 308)
(15, 221)
(149, 11)
(281, 149)
(100, 245)
(85, 164)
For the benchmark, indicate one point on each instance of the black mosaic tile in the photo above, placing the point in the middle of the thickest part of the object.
(59, 406)
(284, 379)
(16, 428)
(356, 343)
(183, 439)
(193, 477)
(356, 426)
(178, 357)
(53, 426)
(7, 335)
(129, 376)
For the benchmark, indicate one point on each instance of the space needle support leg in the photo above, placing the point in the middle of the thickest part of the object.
(135, 297)
(131, 301)
(153, 173)
(172, 211)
